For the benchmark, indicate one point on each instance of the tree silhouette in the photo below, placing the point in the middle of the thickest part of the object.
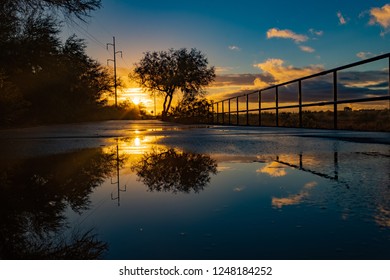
(167, 72)
(45, 80)
(42, 79)
(34, 195)
(174, 171)
(69, 8)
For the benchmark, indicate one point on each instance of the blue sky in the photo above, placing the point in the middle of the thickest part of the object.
(244, 37)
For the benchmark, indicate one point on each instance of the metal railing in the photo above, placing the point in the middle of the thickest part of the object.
(231, 114)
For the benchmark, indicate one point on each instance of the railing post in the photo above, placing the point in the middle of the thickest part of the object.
(223, 112)
(247, 109)
(217, 112)
(277, 106)
(300, 161)
(336, 165)
(388, 72)
(259, 107)
(300, 103)
(229, 111)
(335, 100)
(237, 116)
(212, 112)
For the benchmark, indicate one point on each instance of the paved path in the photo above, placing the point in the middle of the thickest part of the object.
(232, 139)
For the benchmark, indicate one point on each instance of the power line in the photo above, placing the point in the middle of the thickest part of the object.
(124, 61)
(103, 27)
(88, 34)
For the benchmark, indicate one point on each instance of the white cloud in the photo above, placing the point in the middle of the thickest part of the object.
(307, 49)
(286, 34)
(342, 19)
(364, 55)
(381, 16)
(234, 48)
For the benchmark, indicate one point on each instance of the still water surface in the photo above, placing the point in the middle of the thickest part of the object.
(131, 190)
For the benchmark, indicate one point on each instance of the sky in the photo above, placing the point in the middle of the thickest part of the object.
(250, 43)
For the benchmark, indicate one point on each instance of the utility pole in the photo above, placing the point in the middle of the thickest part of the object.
(114, 60)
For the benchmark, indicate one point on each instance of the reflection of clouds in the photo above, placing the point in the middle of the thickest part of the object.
(310, 185)
(291, 200)
(239, 189)
(273, 169)
(294, 199)
(383, 217)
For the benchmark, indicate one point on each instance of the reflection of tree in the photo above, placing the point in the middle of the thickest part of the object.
(35, 193)
(174, 171)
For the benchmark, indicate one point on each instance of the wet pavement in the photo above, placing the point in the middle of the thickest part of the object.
(153, 190)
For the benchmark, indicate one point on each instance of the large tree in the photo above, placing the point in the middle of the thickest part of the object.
(167, 72)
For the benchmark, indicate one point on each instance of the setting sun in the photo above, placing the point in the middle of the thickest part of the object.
(137, 96)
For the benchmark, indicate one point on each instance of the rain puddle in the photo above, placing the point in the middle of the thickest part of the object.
(197, 195)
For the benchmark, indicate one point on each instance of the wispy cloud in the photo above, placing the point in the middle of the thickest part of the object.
(234, 48)
(364, 55)
(342, 19)
(307, 49)
(316, 32)
(286, 34)
(239, 189)
(297, 38)
(310, 185)
(223, 69)
(381, 16)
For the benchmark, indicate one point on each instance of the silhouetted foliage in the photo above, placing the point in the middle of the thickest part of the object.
(69, 8)
(34, 195)
(192, 110)
(45, 79)
(167, 72)
(174, 171)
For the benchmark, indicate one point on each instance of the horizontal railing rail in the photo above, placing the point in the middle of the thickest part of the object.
(219, 116)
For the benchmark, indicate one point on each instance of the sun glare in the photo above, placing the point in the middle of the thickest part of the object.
(137, 96)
